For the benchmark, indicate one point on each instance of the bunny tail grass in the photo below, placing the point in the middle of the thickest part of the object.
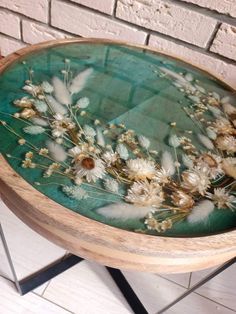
(79, 81)
(123, 211)
(201, 211)
(61, 92)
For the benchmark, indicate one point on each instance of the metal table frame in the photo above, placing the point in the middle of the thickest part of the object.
(33, 281)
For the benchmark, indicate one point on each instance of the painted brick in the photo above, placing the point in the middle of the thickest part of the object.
(225, 71)
(85, 23)
(105, 6)
(9, 45)
(36, 9)
(225, 41)
(10, 24)
(221, 6)
(169, 19)
(34, 33)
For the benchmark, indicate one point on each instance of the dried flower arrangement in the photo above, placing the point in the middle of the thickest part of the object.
(160, 188)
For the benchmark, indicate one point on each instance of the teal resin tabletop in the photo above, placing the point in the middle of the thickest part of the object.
(123, 135)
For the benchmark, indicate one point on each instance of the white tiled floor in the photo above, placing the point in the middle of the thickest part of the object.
(87, 287)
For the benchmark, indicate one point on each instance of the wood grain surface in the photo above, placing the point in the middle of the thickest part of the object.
(99, 242)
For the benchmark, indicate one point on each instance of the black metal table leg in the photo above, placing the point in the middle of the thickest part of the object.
(127, 291)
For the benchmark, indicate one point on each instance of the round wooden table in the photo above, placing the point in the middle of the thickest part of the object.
(99, 242)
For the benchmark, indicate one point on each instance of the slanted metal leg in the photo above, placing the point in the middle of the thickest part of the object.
(35, 280)
(7, 253)
(127, 291)
(199, 284)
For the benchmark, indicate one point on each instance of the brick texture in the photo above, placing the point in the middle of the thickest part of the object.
(219, 68)
(168, 18)
(105, 6)
(221, 6)
(36, 9)
(34, 33)
(225, 41)
(9, 45)
(82, 22)
(10, 24)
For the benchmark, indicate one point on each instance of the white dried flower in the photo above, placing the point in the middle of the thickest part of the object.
(100, 138)
(201, 211)
(229, 109)
(55, 105)
(211, 133)
(90, 168)
(167, 163)
(111, 185)
(79, 81)
(143, 141)
(56, 151)
(215, 111)
(110, 157)
(61, 92)
(89, 132)
(182, 199)
(82, 103)
(229, 166)
(211, 164)
(124, 211)
(140, 169)
(205, 141)
(39, 121)
(196, 180)
(34, 129)
(221, 198)
(75, 151)
(223, 126)
(226, 143)
(33, 90)
(145, 194)
(187, 161)
(162, 176)
(174, 141)
(122, 151)
(47, 87)
(75, 192)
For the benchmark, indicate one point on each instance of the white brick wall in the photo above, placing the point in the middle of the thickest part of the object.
(88, 24)
(222, 6)
(202, 31)
(225, 41)
(169, 19)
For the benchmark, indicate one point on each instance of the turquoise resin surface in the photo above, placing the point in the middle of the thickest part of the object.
(128, 87)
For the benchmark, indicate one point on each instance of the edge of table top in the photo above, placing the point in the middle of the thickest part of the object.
(96, 241)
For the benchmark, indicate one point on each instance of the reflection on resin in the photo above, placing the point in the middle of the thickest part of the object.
(123, 136)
